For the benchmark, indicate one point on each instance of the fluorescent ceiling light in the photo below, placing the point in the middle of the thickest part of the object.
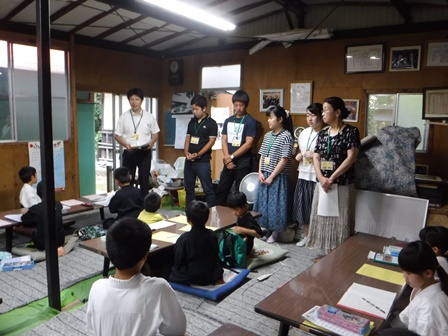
(192, 13)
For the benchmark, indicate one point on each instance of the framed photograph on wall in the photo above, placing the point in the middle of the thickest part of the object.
(405, 58)
(435, 103)
(437, 54)
(352, 106)
(365, 58)
(270, 97)
(301, 96)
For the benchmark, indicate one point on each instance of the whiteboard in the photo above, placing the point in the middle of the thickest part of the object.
(391, 216)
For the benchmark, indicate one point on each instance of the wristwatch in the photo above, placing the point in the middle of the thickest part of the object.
(232, 156)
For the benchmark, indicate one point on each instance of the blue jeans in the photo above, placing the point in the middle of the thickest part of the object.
(201, 170)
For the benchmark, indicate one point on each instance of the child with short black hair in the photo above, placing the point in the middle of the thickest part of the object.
(28, 195)
(196, 260)
(246, 224)
(427, 312)
(127, 201)
(130, 303)
(437, 238)
(151, 203)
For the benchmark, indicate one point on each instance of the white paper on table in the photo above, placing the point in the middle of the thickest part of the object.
(3, 222)
(160, 225)
(328, 204)
(65, 207)
(15, 217)
(95, 197)
(368, 300)
(106, 202)
(71, 202)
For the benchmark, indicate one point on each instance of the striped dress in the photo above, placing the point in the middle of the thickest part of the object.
(272, 201)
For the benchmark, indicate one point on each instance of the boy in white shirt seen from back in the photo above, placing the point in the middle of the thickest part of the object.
(28, 194)
(130, 303)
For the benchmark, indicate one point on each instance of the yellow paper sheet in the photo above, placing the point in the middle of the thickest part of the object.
(187, 228)
(179, 219)
(168, 237)
(382, 274)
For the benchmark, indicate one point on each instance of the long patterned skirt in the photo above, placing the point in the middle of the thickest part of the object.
(327, 233)
(272, 202)
(303, 198)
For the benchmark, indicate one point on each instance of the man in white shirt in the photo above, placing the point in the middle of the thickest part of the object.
(137, 131)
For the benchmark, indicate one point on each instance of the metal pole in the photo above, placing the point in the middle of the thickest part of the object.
(46, 150)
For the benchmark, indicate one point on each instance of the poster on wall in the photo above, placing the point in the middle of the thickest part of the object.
(181, 130)
(180, 103)
(58, 161)
(219, 114)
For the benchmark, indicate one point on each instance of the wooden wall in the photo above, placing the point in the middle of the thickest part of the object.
(93, 69)
(322, 62)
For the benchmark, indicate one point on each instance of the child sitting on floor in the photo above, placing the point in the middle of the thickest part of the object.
(196, 260)
(130, 303)
(427, 312)
(28, 195)
(151, 203)
(127, 201)
(246, 224)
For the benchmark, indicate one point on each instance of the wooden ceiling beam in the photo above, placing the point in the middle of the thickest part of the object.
(120, 26)
(60, 13)
(403, 9)
(24, 4)
(92, 20)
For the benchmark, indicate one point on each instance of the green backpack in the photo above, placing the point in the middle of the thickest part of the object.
(232, 250)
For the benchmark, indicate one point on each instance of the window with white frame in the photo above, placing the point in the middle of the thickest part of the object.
(400, 109)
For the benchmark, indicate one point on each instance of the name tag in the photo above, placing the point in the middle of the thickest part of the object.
(327, 165)
(134, 140)
(236, 142)
(194, 140)
(308, 161)
(266, 160)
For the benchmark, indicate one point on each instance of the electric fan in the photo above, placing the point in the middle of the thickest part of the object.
(249, 185)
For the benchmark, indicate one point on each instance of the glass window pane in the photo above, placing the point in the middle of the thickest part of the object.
(6, 125)
(409, 114)
(380, 112)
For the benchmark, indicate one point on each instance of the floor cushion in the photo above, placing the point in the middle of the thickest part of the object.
(264, 253)
(213, 292)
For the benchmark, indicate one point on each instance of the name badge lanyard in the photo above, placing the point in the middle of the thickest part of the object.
(237, 131)
(197, 127)
(132, 118)
(272, 140)
(328, 144)
(308, 144)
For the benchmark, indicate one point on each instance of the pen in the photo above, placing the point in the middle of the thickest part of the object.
(370, 303)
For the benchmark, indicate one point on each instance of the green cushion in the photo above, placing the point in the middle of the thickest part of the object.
(264, 253)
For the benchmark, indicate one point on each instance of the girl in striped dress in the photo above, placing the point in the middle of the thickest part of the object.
(306, 182)
(275, 163)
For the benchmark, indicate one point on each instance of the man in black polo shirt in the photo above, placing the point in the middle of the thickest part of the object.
(201, 136)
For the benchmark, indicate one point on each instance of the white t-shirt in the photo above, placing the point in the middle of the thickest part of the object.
(28, 196)
(144, 124)
(307, 141)
(427, 313)
(136, 307)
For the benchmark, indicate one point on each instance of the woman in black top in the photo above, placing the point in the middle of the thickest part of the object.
(334, 157)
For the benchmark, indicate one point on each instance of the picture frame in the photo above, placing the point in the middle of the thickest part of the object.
(436, 54)
(405, 58)
(353, 107)
(364, 58)
(435, 103)
(270, 97)
(301, 96)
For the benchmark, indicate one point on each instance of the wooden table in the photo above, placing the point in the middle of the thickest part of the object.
(10, 224)
(326, 281)
(220, 217)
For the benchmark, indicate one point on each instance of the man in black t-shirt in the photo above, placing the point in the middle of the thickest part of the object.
(201, 136)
